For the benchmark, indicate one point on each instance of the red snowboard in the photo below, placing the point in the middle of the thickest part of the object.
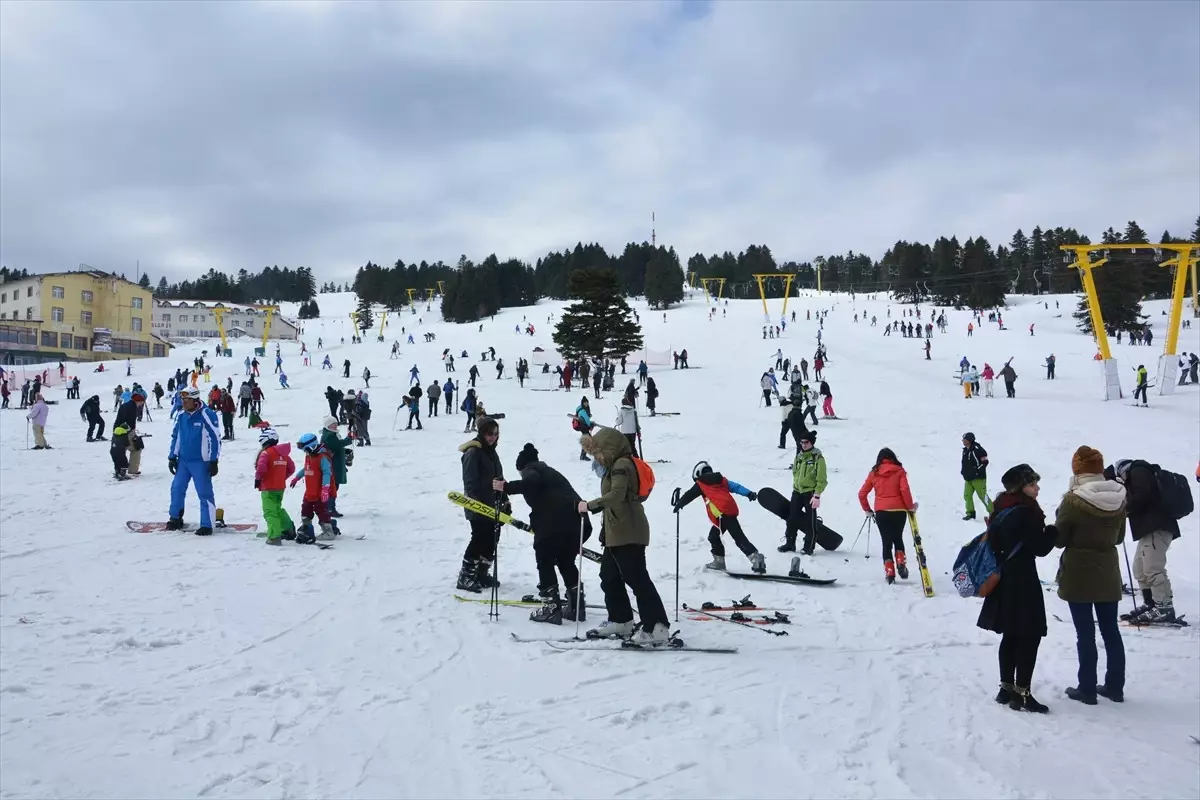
(159, 527)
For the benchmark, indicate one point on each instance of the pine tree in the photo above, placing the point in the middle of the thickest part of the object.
(664, 279)
(601, 323)
(365, 319)
(161, 291)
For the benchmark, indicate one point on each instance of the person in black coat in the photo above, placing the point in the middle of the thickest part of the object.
(555, 520)
(480, 467)
(90, 413)
(1016, 608)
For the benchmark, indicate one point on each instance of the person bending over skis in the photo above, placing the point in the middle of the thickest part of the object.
(722, 512)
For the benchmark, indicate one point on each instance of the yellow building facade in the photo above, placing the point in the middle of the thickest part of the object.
(77, 316)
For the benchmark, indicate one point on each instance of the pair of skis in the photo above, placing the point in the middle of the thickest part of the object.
(672, 645)
(484, 510)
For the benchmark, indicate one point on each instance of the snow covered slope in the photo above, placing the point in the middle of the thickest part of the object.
(168, 665)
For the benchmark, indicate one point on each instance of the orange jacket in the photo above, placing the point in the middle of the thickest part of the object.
(273, 467)
(890, 483)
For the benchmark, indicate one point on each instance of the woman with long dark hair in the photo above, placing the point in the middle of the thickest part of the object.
(893, 502)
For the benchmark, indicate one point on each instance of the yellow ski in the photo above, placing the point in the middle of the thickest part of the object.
(926, 580)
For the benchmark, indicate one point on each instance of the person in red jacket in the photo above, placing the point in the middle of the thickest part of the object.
(893, 502)
(228, 408)
(271, 471)
(317, 472)
(722, 512)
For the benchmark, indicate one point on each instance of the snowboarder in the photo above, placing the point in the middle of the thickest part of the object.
(271, 471)
(893, 503)
(480, 467)
(193, 457)
(808, 483)
(554, 517)
(722, 511)
(625, 534)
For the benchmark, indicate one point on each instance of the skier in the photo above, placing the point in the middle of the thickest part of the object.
(827, 407)
(448, 393)
(480, 467)
(1153, 529)
(1010, 377)
(434, 393)
(808, 482)
(130, 444)
(468, 406)
(989, 376)
(89, 412)
(193, 456)
(625, 534)
(553, 515)
(651, 395)
(414, 376)
(722, 512)
(582, 422)
(768, 385)
(271, 470)
(1143, 383)
(414, 407)
(1050, 362)
(340, 456)
(1016, 607)
(320, 486)
(974, 474)
(627, 423)
(893, 504)
(362, 418)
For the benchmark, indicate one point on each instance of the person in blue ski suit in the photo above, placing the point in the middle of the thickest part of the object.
(195, 449)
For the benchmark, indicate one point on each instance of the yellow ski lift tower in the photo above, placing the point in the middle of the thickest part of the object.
(219, 314)
(787, 289)
(382, 324)
(691, 279)
(267, 325)
(411, 292)
(704, 284)
(1186, 256)
(429, 293)
(441, 287)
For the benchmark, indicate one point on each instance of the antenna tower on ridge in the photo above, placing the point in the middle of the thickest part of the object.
(652, 232)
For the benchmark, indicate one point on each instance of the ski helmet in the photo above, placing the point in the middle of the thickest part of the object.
(701, 468)
(308, 442)
(267, 436)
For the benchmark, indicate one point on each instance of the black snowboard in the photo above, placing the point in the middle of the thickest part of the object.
(778, 505)
(751, 576)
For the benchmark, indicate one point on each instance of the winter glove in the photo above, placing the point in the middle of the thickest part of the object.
(257, 485)
(292, 482)
(172, 464)
(752, 496)
(870, 514)
(212, 468)
(324, 494)
(815, 503)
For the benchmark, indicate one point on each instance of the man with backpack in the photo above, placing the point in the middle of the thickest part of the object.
(1156, 500)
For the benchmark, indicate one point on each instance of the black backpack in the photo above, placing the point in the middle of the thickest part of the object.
(1175, 495)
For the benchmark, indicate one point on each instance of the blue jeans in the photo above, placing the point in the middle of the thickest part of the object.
(1085, 646)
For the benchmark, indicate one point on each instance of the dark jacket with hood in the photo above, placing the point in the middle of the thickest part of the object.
(90, 409)
(1144, 502)
(480, 466)
(1017, 605)
(553, 503)
(973, 465)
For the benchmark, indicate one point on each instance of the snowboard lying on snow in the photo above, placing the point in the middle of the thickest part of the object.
(778, 505)
(158, 527)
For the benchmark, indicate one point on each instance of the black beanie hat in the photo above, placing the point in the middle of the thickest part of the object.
(527, 456)
(1019, 477)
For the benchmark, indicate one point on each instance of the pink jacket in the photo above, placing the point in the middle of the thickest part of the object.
(988, 373)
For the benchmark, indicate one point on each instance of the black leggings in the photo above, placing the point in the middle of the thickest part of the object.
(623, 566)
(731, 526)
(891, 531)
(483, 540)
(1018, 657)
(801, 517)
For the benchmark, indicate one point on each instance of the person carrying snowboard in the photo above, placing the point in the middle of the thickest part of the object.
(974, 474)
(893, 503)
(271, 470)
(555, 520)
(722, 511)
(319, 485)
(192, 457)
(625, 534)
(808, 482)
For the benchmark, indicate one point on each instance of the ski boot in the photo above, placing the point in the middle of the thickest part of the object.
(290, 533)
(1140, 611)
(902, 565)
(304, 534)
(789, 545)
(758, 564)
(204, 530)
(576, 604)
(1160, 613)
(122, 475)
(611, 630)
(659, 635)
(175, 524)
(551, 610)
(275, 542)
(483, 574)
(889, 571)
(466, 578)
(718, 563)
(327, 532)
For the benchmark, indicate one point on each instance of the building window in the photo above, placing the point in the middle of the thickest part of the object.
(249, 323)
(86, 296)
(64, 341)
(29, 313)
(136, 302)
(29, 292)
(197, 318)
(135, 323)
(85, 318)
(160, 350)
(56, 314)
(49, 339)
(81, 343)
(4, 297)
(58, 292)
(166, 317)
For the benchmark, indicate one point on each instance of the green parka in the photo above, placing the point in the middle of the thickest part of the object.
(624, 520)
(337, 448)
(1091, 524)
(808, 472)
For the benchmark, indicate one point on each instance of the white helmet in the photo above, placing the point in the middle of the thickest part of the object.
(700, 468)
(267, 434)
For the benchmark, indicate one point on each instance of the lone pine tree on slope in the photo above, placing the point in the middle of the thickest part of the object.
(600, 324)
(364, 318)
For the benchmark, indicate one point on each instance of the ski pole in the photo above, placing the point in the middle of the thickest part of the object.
(579, 600)
(674, 504)
(1129, 572)
(494, 608)
(734, 621)
(860, 532)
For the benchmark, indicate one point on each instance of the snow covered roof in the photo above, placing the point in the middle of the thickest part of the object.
(206, 304)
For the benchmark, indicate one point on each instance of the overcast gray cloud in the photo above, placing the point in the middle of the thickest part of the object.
(220, 134)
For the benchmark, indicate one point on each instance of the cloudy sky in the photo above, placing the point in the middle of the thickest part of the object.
(220, 134)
